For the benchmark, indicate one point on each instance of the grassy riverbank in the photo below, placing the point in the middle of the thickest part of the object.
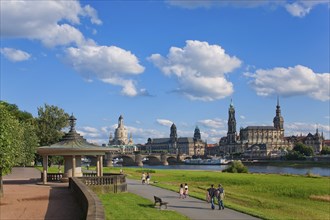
(268, 196)
(131, 206)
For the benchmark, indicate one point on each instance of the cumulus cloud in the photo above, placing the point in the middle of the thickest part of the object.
(15, 55)
(164, 122)
(297, 128)
(110, 64)
(200, 69)
(89, 132)
(51, 22)
(292, 81)
(299, 8)
(213, 123)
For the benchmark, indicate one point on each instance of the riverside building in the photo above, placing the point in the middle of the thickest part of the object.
(191, 146)
(264, 141)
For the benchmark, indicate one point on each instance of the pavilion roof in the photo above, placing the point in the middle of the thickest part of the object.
(72, 143)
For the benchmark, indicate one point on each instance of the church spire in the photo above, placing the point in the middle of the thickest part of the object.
(231, 134)
(278, 119)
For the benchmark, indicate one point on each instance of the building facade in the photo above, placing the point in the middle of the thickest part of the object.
(191, 146)
(264, 141)
(121, 135)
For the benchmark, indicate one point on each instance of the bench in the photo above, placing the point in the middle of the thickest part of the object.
(159, 200)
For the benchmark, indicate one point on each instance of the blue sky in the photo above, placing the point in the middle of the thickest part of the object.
(159, 62)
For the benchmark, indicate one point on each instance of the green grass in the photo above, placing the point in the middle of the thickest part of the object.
(268, 196)
(130, 206)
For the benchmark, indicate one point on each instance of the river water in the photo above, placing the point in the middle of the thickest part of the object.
(322, 171)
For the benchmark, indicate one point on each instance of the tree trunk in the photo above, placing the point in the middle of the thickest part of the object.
(1, 184)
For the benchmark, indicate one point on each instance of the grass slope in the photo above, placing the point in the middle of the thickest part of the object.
(131, 206)
(269, 196)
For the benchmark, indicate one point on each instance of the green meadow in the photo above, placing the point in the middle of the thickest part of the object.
(268, 196)
(131, 206)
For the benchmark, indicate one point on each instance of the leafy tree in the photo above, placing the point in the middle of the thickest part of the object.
(11, 144)
(30, 142)
(303, 149)
(29, 139)
(18, 114)
(51, 120)
(295, 155)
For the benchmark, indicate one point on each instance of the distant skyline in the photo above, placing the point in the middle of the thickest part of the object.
(163, 62)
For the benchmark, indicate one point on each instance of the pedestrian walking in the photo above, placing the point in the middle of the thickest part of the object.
(221, 196)
(143, 178)
(181, 191)
(211, 195)
(148, 178)
(185, 190)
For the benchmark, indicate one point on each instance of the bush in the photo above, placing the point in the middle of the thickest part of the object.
(325, 150)
(236, 167)
(295, 155)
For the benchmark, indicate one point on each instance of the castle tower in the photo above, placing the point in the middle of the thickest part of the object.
(231, 134)
(173, 134)
(197, 134)
(278, 119)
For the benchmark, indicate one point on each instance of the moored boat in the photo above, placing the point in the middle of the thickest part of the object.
(212, 161)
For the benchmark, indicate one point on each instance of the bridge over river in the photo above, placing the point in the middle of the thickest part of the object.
(136, 159)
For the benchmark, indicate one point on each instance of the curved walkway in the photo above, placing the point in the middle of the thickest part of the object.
(191, 207)
(24, 198)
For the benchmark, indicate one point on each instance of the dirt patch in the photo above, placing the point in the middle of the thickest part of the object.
(325, 198)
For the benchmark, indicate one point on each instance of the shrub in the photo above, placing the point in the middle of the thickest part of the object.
(236, 167)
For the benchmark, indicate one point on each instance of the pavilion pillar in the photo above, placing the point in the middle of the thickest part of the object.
(45, 166)
(73, 165)
(101, 165)
(98, 166)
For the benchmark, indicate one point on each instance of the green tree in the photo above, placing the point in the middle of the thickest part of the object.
(51, 121)
(14, 111)
(11, 144)
(30, 143)
(29, 138)
(303, 149)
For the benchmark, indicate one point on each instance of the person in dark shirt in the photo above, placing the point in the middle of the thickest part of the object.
(211, 192)
(221, 195)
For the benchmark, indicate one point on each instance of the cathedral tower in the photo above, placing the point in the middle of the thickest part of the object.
(173, 135)
(278, 119)
(231, 134)
(197, 134)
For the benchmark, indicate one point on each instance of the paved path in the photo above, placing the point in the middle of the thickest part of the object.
(191, 207)
(25, 199)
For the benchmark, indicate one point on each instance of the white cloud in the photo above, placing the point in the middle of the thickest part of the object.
(15, 55)
(200, 69)
(297, 128)
(298, 8)
(110, 64)
(213, 123)
(242, 117)
(164, 122)
(192, 4)
(298, 80)
(50, 21)
(302, 8)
